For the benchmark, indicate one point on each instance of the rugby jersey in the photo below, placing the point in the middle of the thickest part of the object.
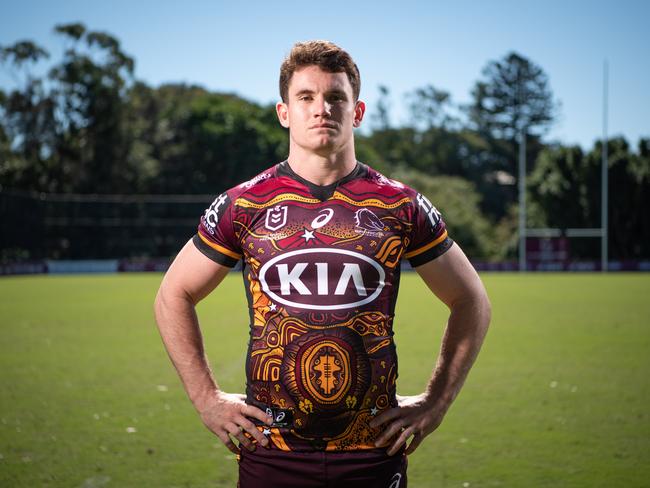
(321, 267)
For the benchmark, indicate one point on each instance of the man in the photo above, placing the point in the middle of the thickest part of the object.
(321, 237)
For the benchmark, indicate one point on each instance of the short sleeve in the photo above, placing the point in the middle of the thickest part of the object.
(429, 238)
(215, 236)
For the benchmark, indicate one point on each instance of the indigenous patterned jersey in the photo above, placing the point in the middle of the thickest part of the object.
(321, 271)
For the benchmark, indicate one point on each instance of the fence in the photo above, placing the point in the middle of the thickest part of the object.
(53, 233)
(62, 227)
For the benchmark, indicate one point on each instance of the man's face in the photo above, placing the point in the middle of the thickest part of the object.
(320, 112)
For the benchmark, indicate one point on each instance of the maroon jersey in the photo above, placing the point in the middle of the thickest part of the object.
(321, 271)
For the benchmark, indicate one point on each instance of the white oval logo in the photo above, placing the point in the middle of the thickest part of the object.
(322, 279)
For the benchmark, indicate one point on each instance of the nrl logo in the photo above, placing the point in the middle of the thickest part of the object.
(276, 217)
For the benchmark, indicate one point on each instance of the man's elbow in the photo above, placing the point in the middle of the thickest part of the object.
(475, 301)
(484, 307)
(172, 297)
(159, 305)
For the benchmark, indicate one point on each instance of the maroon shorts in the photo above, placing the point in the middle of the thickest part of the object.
(271, 468)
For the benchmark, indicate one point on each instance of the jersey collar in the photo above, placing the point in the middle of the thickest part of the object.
(322, 192)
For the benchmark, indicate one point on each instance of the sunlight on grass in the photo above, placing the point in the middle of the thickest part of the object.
(558, 396)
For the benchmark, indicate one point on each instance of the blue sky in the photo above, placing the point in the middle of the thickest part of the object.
(238, 47)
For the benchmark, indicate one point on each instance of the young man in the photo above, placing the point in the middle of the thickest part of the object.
(321, 237)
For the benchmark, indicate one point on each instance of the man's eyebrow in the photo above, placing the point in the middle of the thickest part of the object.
(307, 91)
(304, 91)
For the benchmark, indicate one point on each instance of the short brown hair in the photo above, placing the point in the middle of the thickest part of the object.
(324, 54)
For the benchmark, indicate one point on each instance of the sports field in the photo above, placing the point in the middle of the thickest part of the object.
(560, 395)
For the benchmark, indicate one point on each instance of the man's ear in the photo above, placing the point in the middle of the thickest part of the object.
(359, 110)
(283, 114)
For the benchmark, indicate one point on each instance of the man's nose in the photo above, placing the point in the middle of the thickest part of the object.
(322, 108)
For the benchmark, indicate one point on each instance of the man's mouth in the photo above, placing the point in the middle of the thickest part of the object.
(323, 125)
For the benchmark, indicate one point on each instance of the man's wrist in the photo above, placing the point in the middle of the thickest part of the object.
(437, 400)
(205, 398)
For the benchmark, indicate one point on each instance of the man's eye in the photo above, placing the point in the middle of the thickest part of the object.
(304, 98)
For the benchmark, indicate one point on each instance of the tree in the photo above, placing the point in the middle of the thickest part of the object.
(381, 118)
(90, 85)
(157, 120)
(513, 97)
(429, 108)
(564, 188)
(629, 198)
(229, 140)
(28, 120)
(565, 192)
(458, 201)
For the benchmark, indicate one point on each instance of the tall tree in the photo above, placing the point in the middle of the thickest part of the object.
(513, 98)
(27, 120)
(90, 86)
(430, 107)
(381, 118)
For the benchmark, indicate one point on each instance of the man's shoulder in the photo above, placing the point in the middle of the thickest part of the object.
(388, 186)
(257, 182)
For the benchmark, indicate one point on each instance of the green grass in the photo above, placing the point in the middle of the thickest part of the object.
(558, 397)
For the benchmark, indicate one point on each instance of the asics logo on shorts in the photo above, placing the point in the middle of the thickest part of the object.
(395, 480)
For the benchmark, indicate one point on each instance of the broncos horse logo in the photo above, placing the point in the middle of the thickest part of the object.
(367, 220)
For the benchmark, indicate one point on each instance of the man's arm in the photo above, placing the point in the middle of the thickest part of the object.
(190, 278)
(454, 281)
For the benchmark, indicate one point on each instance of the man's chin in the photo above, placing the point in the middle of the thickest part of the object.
(324, 144)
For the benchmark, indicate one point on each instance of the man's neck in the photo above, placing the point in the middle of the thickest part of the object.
(322, 169)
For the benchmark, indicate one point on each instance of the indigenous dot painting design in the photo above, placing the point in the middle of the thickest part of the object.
(321, 267)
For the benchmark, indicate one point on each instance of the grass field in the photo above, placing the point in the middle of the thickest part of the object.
(559, 397)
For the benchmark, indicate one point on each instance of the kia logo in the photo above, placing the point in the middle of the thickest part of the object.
(322, 279)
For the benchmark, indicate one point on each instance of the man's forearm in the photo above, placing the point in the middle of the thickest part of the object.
(420, 415)
(179, 328)
(190, 278)
(463, 337)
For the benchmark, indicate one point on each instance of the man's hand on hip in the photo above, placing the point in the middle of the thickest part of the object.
(227, 415)
(413, 417)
